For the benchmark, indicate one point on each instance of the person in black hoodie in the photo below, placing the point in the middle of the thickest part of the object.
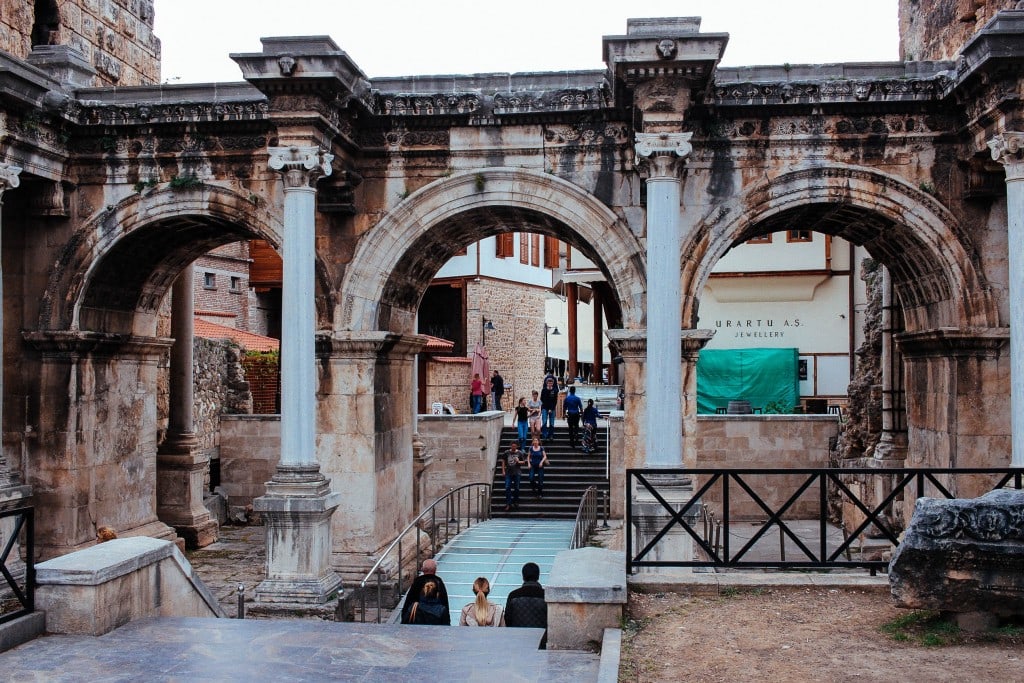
(525, 606)
(548, 404)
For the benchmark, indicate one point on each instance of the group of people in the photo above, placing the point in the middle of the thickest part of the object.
(427, 602)
(476, 392)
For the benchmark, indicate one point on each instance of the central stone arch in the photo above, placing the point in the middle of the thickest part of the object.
(398, 257)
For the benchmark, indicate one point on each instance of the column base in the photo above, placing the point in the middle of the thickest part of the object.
(181, 470)
(651, 517)
(297, 511)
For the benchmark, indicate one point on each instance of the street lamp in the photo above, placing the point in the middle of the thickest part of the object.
(547, 331)
(485, 327)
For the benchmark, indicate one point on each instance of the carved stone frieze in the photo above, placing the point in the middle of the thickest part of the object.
(428, 105)
(528, 102)
(398, 139)
(587, 133)
(840, 90)
(113, 115)
(818, 126)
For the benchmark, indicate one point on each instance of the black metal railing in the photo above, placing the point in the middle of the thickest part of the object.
(586, 518)
(19, 596)
(459, 508)
(805, 519)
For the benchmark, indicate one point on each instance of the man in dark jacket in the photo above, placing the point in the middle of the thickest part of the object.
(548, 403)
(525, 605)
(429, 570)
(497, 390)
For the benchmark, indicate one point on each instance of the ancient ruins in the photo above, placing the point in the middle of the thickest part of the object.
(654, 167)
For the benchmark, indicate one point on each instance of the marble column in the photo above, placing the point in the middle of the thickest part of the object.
(1007, 149)
(298, 505)
(181, 466)
(13, 493)
(663, 156)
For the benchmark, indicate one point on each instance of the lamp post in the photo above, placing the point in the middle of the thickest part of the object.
(547, 331)
(485, 327)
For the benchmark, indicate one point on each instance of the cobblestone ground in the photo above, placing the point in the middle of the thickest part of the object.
(237, 558)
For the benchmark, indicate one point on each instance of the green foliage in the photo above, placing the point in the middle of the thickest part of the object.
(926, 627)
(481, 182)
(143, 184)
(185, 182)
(777, 408)
(926, 187)
(265, 357)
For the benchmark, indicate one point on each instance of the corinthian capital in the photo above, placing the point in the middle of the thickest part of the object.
(301, 166)
(1006, 149)
(663, 153)
(8, 177)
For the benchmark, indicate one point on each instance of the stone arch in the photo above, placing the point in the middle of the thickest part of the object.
(117, 267)
(398, 257)
(934, 266)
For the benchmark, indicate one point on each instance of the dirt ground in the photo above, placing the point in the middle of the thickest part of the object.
(806, 634)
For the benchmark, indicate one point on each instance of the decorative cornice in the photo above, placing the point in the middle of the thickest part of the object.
(630, 344)
(1006, 149)
(300, 166)
(65, 345)
(837, 91)
(663, 154)
(8, 177)
(949, 342)
(374, 346)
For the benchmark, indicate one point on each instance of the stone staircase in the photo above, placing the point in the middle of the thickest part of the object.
(566, 477)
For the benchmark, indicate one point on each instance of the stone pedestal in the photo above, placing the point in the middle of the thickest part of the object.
(180, 471)
(650, 517)
(297, 513)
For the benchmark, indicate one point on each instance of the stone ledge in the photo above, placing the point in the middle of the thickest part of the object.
(590, 575)
(106, 561)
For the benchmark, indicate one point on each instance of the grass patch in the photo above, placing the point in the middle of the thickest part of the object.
(931, 629)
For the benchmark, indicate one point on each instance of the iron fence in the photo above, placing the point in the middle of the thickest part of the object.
(822, 519)
(19, 595)
(586, 518)
(459, 508)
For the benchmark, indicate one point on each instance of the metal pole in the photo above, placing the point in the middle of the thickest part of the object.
(380, 595)
(241, 601)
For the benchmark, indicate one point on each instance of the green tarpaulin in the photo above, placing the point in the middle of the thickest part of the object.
(761, 376)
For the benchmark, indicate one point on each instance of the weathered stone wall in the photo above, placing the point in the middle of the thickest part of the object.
(765, 441)
(446, 382)
(516, 345)
(937, 29)
(116, 36)
(220, 389)
(228, 288)
(464, 449)
(249, 452)
(263, 373)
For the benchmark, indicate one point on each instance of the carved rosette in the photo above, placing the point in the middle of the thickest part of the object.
(300, 166)
(1006, 148)
(662, 155)
(8, 177)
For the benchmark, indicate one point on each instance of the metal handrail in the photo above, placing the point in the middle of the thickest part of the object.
(25, 520)
(586, 518)
(478, 493)
(715, 543)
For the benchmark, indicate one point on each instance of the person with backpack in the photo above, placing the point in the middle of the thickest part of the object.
(438, 597)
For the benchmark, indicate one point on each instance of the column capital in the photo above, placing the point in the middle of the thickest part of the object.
(8, 177)
(630, 344)
(663, 154)
(1006, 148)
(300, 166)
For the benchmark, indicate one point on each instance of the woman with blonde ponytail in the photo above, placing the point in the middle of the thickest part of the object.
(482, 612)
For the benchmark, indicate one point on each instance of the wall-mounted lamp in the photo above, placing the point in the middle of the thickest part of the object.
(485, 327)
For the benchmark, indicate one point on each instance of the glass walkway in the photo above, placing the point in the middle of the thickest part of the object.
(497, 549)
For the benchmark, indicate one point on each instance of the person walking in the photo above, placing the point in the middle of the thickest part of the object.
(590, 415)
(548, 403)
(497, 390)
(511, 472)
(476, 393)
(534, 407)
(416, 591)
(538, 459)
(522, 420)
(573, 409)
(482, 612)
(525, 606)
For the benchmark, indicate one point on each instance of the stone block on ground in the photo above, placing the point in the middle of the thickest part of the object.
(963, 556)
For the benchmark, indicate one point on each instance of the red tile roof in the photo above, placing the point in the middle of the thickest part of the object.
(247, 340)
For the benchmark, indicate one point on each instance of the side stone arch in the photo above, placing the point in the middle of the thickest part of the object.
(398, 257)
(934, 265)
(123, 260)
